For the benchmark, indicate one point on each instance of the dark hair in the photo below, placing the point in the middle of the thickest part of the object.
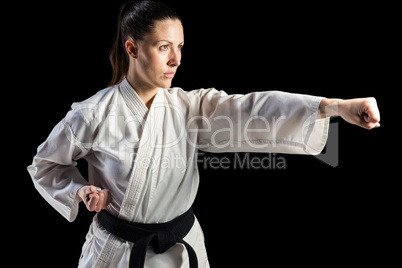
(136, 19)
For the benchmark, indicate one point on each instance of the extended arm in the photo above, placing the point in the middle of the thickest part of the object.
(269, 121)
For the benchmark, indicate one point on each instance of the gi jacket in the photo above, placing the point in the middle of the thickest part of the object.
(148, 158)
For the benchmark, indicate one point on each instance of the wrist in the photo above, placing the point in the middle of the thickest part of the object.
(330, 107)
(81, 192)
(342, 104)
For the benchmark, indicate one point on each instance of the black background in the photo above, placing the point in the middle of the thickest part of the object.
(308, 214)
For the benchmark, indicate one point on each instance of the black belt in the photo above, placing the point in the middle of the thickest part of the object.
(161, 236)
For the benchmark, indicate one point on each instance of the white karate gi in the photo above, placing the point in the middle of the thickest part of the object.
(147, 159)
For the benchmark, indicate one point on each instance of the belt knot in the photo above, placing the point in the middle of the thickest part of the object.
(163, 241)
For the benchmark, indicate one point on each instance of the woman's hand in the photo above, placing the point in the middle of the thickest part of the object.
(94, 200)
(362, 112)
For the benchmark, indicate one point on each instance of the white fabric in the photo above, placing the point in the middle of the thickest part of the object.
(147, 159)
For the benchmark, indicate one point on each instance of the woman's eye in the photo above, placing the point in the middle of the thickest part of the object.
(163, 48)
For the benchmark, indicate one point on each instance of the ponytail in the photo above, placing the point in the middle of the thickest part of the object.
(118, 61)
(136, 19)
(118, 57)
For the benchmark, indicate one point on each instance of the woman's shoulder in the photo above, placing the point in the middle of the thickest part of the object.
(194, 93)
(94, 108)
(102, 96)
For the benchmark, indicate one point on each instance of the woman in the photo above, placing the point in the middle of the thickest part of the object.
(140, 138)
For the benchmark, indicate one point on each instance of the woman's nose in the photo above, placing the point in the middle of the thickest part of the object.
(174, 60)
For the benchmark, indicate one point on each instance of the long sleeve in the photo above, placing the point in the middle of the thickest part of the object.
(53, 170)
(271, 121)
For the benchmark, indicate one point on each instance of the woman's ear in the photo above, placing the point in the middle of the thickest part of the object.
(131, 49)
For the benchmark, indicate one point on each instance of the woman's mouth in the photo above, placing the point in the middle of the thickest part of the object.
(169, 75)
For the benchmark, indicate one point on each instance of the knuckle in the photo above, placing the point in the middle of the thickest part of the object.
(367, 102)
(89, 207)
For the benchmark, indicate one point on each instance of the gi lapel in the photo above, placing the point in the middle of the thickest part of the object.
(152, 122)
(152, 126)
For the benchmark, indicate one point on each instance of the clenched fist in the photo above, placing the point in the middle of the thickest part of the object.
(94, 200)
(362, 112)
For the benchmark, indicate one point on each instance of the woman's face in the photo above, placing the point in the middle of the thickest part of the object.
(159, 55)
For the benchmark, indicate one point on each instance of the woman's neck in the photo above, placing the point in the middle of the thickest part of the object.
(144, 91)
